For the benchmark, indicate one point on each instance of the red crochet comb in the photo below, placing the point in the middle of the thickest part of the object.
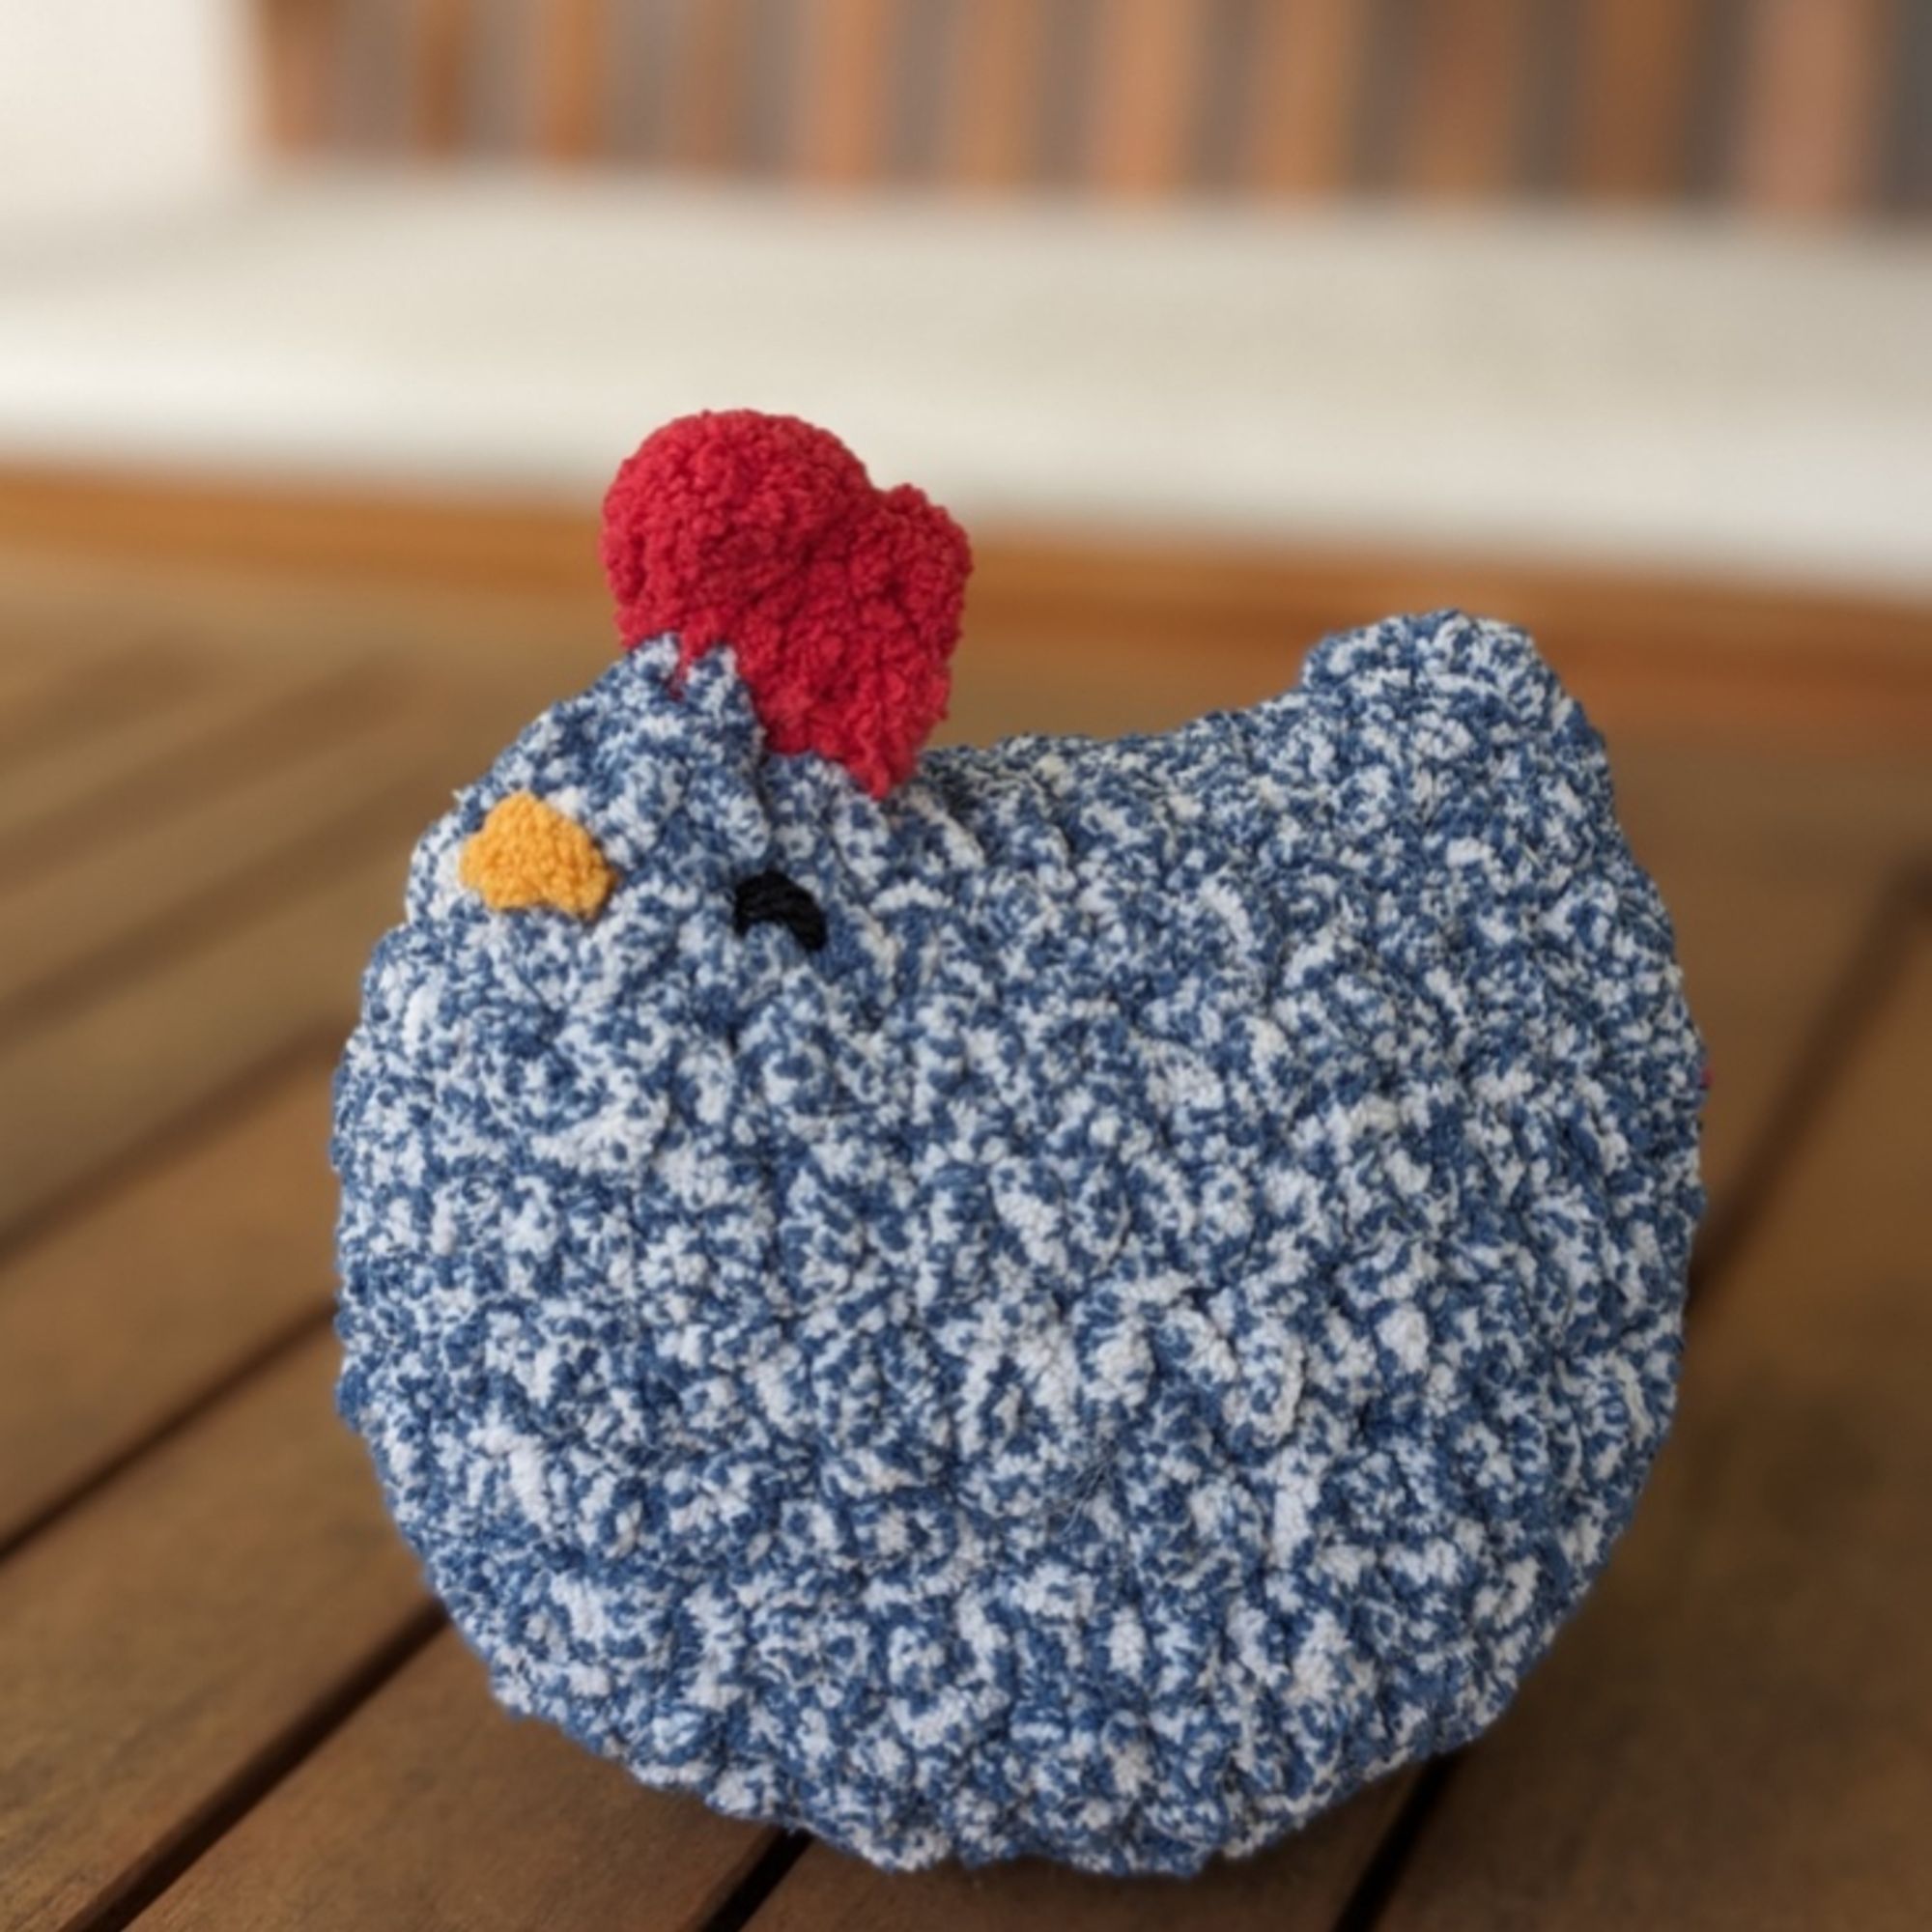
(841, 602)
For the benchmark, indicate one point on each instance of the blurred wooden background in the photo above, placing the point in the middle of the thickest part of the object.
(1795, 105)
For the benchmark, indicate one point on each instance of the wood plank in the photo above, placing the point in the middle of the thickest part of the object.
(299, 41)
(111, 909)
(570, 78)
(1036, 671)
(994, 100)
(846, 89)
(1309, 69)
(90, 1088)
(1797, 667)
(1773, 867)
(707, 84)
(159, 735)
(152, 763)
(442, 34)
(376, 531)
(50, 702)
(29, 678)
(461, 1816)
(1810, 133)
(493, 653)
(164, 1642)
(1464, 73)
(1303, 1883)
(1148, 64)
(121, 1318)
(1709, 652)
(1734, 1730)
(246, 972)
(1636, 68)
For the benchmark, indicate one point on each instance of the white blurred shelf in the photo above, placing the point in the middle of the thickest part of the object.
(1662, 390)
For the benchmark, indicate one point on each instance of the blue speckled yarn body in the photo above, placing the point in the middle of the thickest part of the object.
(1155, 1324)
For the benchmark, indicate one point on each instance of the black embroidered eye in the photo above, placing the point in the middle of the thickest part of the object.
(771, 899)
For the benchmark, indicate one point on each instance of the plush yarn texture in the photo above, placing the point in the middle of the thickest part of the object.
(529, 853)
(840, 600)
(1151, 1324)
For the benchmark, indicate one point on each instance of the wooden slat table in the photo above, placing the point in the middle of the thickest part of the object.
(227, 1701)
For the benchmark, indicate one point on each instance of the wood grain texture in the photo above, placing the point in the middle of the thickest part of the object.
(1791, 665)
(441, 34)
(263, 939)
(1773, 866)
(296, 42)
(111, 909)
(1810, 134)
(1734, 1732)
(88, 1089)
(1304, 95)
(492, 652)
(706, 92)
(121, 1318)
(1629, 129)
(393, 534)
(161, 1641)
(1464, 69)
(32, 683)
(1705, 653)
(570, 78)
(1148, 63)
(180, 749)
(460, 1816)
(1298, 1887)
(54, 699)
(1809, 106)
(845, 82)
(993, 100)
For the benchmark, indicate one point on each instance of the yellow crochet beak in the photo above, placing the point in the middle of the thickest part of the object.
(529, 853)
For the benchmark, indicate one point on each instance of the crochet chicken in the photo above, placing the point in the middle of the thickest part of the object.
(1076, 1298)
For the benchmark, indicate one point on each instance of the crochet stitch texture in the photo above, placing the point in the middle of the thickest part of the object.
(840, 600)
(1151, 1326)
